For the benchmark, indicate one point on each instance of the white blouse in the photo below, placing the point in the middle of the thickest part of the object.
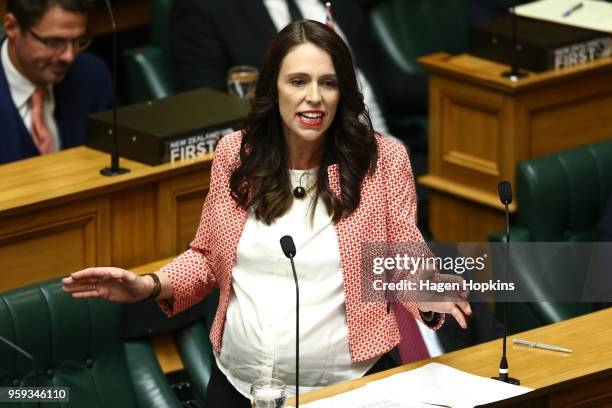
(259, 333)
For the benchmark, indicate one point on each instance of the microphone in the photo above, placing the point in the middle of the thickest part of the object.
(27, 355)
(504, 189)
(114, 169)
(288, 247)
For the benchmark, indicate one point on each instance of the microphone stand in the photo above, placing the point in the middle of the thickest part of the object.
(28, 356)
(297, 335)
(505, 194)
(114, 169)
(288, 247)
(515, 72)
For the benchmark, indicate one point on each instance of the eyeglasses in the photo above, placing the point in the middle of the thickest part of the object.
(59, 45)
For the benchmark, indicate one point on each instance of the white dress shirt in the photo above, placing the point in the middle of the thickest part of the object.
(21, 89)
(259, 333)
(314, 10)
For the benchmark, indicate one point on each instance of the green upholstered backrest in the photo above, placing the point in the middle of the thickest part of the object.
(195, 349)
(160, 23)
(78, 343)
(410, 29)
(561, 197)
(148, 68)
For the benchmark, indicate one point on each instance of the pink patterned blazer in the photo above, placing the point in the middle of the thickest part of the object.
(386, 213)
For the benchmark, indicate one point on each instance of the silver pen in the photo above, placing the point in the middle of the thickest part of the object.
(541, 345)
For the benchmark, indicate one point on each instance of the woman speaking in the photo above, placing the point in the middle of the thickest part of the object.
(307, 164)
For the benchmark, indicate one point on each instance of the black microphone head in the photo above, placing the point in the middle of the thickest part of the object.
(505, 192)
(288, 246)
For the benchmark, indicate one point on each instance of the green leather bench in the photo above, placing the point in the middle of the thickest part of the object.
(561, 198)
(79, 344)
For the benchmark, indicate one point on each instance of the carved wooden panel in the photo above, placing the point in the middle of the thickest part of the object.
(453, 219)
(54, 242)
(467, 134)
(569, 124)
(180, 203)
(133, 226)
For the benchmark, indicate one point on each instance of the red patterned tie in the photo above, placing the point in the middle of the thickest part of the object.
(412, 346)
(41, 134)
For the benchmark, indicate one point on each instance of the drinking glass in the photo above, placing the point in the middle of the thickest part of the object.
(241, 81)
(268, 393)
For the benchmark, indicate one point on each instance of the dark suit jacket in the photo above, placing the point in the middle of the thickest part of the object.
(598, 282)
(208, 37)
(482, 327)
(85, 89)
(605, 224)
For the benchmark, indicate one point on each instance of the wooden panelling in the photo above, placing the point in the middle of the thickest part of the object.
(459, 220)
(481, 125)
(469, 145)
(596, 394)
(59, 215)
(180, 207)
(189, 208)
(569, 124)
(474, 142)
(133, 226)
(54, 243)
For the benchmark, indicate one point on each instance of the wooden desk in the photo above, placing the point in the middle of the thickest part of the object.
(589, 336)
(58, 214)
(481, 125)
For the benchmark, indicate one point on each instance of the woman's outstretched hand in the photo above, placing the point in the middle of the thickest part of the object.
(112, 284)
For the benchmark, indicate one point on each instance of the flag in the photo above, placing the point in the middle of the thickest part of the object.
(329, 20)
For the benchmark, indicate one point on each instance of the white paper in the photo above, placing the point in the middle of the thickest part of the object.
(593, 15)
(432, 384)
(363, 397)
(436, 383)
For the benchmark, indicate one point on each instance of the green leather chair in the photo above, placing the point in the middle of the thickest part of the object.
(195, 349)
(407, 30)
(560, 198)
(79, 344)
(148, 68)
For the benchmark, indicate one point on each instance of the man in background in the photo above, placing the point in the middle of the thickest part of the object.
(47, 86)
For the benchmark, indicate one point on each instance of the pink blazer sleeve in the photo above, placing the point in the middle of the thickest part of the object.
(191, 273)
(402, 211)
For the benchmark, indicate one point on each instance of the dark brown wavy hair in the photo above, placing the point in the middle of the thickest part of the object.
(261, 181)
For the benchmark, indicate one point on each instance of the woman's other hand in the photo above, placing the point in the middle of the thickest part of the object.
(112, 284)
